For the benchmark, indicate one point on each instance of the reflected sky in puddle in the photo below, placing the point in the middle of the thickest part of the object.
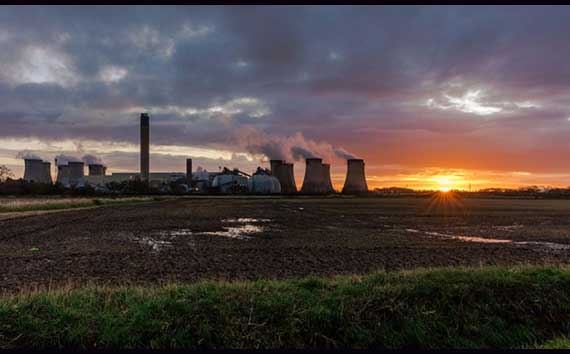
(244, 220)
(174, 233)
(242, 232)
(239, 228)
(159, 240)
(155, 245)
(540, 244)
(509, 228)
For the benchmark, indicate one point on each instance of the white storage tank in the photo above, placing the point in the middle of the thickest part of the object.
(228, 183)
(262, 182)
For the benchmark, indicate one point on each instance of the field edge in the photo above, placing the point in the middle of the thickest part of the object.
(488, 307)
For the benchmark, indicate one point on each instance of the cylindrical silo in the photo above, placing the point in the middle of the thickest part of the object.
(355, 178)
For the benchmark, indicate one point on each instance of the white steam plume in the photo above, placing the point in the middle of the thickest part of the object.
(92, 160)
(63, 159)
(28, 156)
(291, 148)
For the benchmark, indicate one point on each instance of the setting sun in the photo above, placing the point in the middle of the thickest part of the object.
(444, 183)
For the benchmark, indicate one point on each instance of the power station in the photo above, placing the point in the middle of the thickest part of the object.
(355, 179)
(280, 178)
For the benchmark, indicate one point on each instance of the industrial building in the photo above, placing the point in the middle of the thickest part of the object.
(284, 173)
(36, 170)
(315, 181)
(355, 178)
(279, 178)
(97, 170)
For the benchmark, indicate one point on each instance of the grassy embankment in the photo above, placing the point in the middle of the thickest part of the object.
(9, 205)
(441, 308)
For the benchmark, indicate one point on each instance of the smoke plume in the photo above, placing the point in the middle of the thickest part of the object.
(92, 160)
(290, 148)
(343, 154)
(300, 153)
(28, 156)
(63, 159)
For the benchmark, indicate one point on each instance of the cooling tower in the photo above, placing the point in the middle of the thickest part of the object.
(145, 136)
(47, 172)
(288, 185)
(279, 171)
(275, 164)
(63, 174)
(34, 171)
(313, 181)
(97, 170)
(355, 178)
(76, 173)
(327, 178)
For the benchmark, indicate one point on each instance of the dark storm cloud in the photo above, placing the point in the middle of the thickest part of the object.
(354, 77)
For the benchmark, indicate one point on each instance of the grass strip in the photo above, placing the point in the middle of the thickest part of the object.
(488, 307)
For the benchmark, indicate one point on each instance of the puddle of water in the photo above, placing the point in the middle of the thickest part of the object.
(243, 232)
(159, 240)
(481, 239)
(550, 245)
(155, 245)
(174, 233)
(509, 228)
(468, 238)
(244, 220)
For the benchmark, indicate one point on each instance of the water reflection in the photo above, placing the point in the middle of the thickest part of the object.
(244, 220)
(155, 245)
(543, 244)
(243, 232)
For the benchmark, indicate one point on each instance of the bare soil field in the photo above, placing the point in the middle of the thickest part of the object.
(188, 239)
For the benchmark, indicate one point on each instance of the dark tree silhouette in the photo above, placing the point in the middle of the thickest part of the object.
(5, 173)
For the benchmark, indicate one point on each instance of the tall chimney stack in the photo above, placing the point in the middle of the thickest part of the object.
(144, 146)
(355, 179)
(189, 171)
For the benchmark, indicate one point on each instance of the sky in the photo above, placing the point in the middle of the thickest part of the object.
(428, 96)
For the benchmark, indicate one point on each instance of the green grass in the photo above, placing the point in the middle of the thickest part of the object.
(557, 343)
(440, 308)
(40, 204)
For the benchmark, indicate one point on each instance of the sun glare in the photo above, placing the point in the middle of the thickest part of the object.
(444, 183)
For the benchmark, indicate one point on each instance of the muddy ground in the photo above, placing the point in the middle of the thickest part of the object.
(249, 238)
